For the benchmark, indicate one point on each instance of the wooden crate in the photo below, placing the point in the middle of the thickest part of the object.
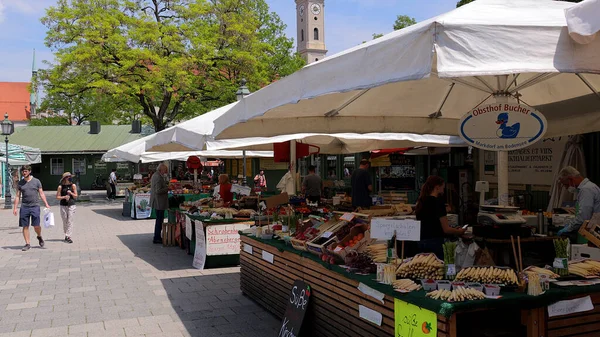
(591, 230)
(168, 234)
(393, 198)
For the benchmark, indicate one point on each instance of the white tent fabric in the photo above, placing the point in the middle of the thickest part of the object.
(423, 78)
(341, 143)
(190, 135)
(583, 21)
(572, 156)
(135, 152)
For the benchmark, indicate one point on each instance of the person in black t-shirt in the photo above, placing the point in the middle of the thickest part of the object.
(431, 211)
(362, 186)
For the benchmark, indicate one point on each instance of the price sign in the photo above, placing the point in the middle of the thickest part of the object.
(413, 321)
(406, 230)
(297, 304)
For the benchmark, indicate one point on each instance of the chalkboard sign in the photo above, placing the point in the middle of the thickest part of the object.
(296, 309)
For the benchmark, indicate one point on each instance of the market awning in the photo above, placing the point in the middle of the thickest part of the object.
(19, 155)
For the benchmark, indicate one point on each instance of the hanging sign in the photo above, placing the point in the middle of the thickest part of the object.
(406, 230)
(297, 304)
(502, 127)
(142, 205)
(224, 239)
(413, 321)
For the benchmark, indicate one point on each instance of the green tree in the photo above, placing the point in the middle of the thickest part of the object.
(403, 21)
(52, 120)
(169, 59)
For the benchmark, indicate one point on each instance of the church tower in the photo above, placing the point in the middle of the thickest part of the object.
(310, 18)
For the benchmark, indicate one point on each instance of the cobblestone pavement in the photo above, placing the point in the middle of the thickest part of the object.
(112, 281)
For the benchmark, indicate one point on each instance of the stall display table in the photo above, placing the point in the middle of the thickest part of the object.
(269, 268)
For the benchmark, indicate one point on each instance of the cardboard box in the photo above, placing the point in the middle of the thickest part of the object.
(585, 252)
(276, 200)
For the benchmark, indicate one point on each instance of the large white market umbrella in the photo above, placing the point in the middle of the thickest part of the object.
(341, 143)
(583, 22)
(135, 152)
(423, 78)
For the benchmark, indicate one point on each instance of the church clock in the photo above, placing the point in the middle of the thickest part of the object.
(315, 8)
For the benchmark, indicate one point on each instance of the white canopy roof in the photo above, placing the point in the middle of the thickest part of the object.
(423, 78)
(135, 152)
(341, 143)
(583, 21)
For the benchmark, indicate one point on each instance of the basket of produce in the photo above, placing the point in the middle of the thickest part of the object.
(422, 266)
(377, 252)
(360, 263)
(405, 285)
(352, 238)
(326, 237)
(488, 274)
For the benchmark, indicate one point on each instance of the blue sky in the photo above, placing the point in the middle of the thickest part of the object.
(347, 23)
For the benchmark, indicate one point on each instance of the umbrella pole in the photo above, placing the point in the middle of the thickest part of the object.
(293, 163)
(244, 168)
(502, 155)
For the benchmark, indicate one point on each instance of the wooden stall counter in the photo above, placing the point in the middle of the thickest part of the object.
(344, 304)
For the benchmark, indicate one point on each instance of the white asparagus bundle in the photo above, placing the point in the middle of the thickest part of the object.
(585, 268)
(405, 285)
(422, 266)
(542, 271)
(488, 275)
(389, 273)
(534, 287)
(459, 294)
(377, 252)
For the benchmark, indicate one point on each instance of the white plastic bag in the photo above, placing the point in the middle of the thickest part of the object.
(48, 218)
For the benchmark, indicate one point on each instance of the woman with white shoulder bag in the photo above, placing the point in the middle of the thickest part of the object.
(67, 194)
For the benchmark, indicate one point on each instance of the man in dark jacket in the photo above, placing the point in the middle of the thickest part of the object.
(159, 199)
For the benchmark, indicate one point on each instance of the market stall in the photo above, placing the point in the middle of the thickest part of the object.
(346, 304)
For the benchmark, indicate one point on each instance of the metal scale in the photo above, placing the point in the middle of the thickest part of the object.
(494, 221)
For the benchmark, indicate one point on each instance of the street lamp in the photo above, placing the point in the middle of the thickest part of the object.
(240, 94)
(7, 129)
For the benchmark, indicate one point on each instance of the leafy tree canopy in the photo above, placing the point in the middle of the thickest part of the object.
(168, 59)
(403, 21)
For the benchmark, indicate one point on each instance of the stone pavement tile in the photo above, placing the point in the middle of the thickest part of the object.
(134, 313)
(121, 323)
(142, 330)
(225, 304)
(107, 333)
(170, 334)
(155, 319)
(24, 305)
(39, 298)
(22, 281)
(73, 329)
(51, 315)
(17, 334)
(51, 332)
(33, 325)
(69, 321)
(7, 327)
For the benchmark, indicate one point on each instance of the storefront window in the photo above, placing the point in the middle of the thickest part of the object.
(79, 166)
(331, 168)
(57, 166)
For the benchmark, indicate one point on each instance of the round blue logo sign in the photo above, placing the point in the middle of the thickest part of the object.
(502, 127)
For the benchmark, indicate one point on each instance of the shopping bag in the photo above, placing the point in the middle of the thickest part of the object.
(48, 219)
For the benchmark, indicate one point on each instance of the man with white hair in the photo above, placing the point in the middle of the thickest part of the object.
(588, 199)
(159, 198)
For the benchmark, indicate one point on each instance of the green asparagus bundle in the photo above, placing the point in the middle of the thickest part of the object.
(449, 252)
(561, 249)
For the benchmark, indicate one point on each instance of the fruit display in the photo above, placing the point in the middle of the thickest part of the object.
(586, 268)
(422, 266)
(561, 247)
(459, 294)
(449, 252)
(542, 271)
(360, 263)
(488, 275)
(308, 234)
(405, 285)
(377, 252)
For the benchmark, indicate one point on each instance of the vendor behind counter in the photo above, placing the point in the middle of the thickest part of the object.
(431, 211)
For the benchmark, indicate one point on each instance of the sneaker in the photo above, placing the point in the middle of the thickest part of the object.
(26, 247)
(157, 241)
(41, 241)
(68, 239)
